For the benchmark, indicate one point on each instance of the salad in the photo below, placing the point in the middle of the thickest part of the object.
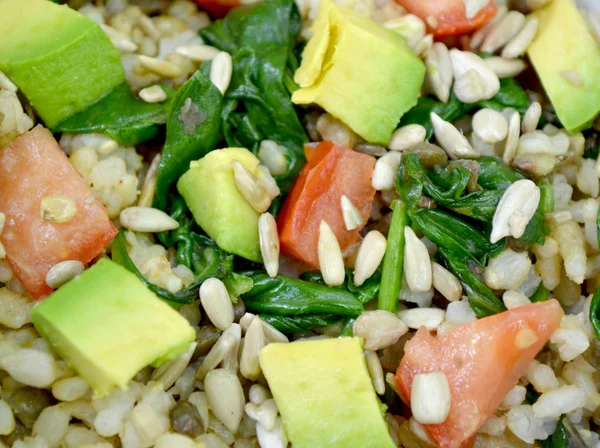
(305, 223)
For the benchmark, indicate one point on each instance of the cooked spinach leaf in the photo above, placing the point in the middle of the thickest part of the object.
(494, 174)
(393, 260)
(511, 94)
(348, 328)
(364, 293)
(261, 39)
(595, 312)
(192, 131)
(541, 294)
(299, 324)
(123, 117)
(565, 436)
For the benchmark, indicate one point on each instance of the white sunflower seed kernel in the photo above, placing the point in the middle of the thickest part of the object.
(407, 136)
(149, 186)
(515, 209)
(267, 182)
(370, 254)
(490, 125)
(269, 243)
(503, 32)
(375, 371)
(482, 33)
(505, 68)
(264, 413)
(531, 118)
(415, 318)
(474, 80)
(161, 68)
(254, 341)
(446, 283)
(331, 261)
(272, 439)
(58, 209)
(221, 71)
(417, 264)
(216, 303)
(146, 219)
(226, 397)
(273, 156)
(218, 352)
(439, 72)
(120, 40)
(247, 185)
(153, 94)
(512, 139)
(352, 216)
(430, 398)
(63, 272)
(518, 44)
(379, 329)
(384, 174)
(198, 53)
(454, 143)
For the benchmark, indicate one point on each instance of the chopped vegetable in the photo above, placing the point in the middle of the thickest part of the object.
(218, 8)
(482, 360)
(448, 17)
(34, 244)
(393, 260)
(331, 171)
(595, 312)
(299, 324)
(565, 436)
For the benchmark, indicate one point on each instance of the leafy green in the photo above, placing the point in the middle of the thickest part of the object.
(481, 298)
(348, 328)
(208, 264)
(123, 117)
(565, 436)
(393, 260)
(299, 324)
(261, 39)
(364, 293)
(495, 174)
(511, 94)
(541, 294)
(237, 285)
(454, 234)
(192, 131)
(292, 297)
(595, 312)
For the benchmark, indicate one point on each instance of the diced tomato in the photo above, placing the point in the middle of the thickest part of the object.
(483, 360)
(448, 16)
(331, 171)
(218, 8)
(31, 168)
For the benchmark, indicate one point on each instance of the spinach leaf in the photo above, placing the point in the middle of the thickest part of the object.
(541, 294)
(595, 312)
(261, 39)
(565, 436)
(495, 174)
(393, 260)
(511, 94)
(421, 113)
(364, 293)
(123, 117)
(292, 297)
(212, 267)
(481, 298)
(299, 324)
(454, 234)
(348, 328)
(192, 131)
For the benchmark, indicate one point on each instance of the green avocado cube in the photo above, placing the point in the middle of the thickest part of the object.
(359, 71)
(566, 58)
(210, 191)
(109, 326)
(324, 394)
(60, 59)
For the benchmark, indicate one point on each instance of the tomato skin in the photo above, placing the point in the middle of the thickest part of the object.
(450, 15)
(217, 8)
(482, 363)
(331, 171)
(32, 167)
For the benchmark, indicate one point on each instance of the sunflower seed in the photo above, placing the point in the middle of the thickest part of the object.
(217, 353)
(221, 70)
(269, 243)
(161, 68)
(518, 44)
(265, 181)
(370, 254)
(272, 334)
(423, 47)
(439, 72)
(505, 68)
(119, 40)
(474, 80)
(417, 264)
(352, 217)
(430, 398)
(571, 76)
(271, 439)
(247, 185)
(264, 413)
(370, 150)
(273, 156)
(258, 394)
(198, 53)
(503, 32)
(226, 397)
(515, 209)
(147, 219)
(490, 125)
(407, 136)
(446, 283)
(512, 139)
(379, 329)
(216, 303)
(254, 341)
(168, 373)
(384, 174)
(375, 371)
(58, 209)
(62, 272)
(415, 318)
(331, 261)
(148, 27)
(481, 33)
(450, 138)
(531, 118)
(153, 94)
(149, 186)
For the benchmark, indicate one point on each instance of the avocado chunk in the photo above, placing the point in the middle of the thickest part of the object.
(61, 60)
(564, 44)
(210, 191)
(324, 394)
(360, 72)
(108, 325)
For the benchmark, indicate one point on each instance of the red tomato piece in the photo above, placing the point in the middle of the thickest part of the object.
(331, 171)
(449, 16)
(218, 8)
(483, 360)
(31, 168)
